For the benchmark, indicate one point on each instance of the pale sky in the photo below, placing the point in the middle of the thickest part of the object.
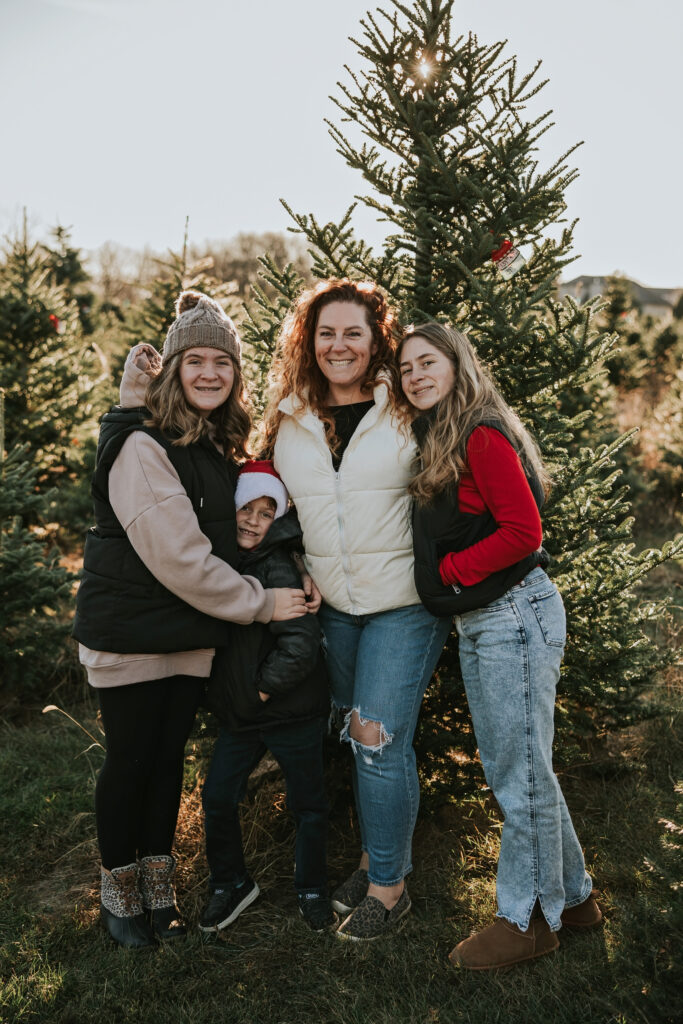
(119, 117)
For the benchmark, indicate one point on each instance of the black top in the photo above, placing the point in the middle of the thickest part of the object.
(346, 419)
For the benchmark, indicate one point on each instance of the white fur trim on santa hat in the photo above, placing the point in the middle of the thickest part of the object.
(258, 479)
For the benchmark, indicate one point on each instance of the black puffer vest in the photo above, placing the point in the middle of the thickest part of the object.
(441, 527)
(121, 606)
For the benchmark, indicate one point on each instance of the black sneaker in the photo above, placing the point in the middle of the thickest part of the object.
(225, 905)
(316, 910)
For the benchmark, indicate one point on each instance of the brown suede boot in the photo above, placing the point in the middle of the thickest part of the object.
(503, 944)
(583, 915)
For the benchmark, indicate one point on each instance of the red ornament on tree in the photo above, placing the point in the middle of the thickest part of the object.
(59, 325)
(507, 260)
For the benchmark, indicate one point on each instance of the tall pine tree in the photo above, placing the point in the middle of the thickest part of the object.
(175, 273)
(47, 370)
(450, 157)
(33, 585)
(67, 271)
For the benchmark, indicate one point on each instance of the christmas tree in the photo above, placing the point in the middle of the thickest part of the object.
(47, 370)
(450, 158)
(33, 585)
(67, 271)
(175, 273)
(647, 377)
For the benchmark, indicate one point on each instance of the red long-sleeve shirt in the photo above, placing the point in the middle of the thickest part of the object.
(494, 480)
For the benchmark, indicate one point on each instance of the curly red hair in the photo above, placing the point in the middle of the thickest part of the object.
(295, 370)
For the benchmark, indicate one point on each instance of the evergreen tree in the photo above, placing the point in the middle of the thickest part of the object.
(33, 585)
(67, 272)
(47, 371)
(238, 261)
(668, 473)
(176, 273)
(649, 349)
(450, 158)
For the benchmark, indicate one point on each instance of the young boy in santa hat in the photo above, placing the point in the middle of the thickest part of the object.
(269, 690)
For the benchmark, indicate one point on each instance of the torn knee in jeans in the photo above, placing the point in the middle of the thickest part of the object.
(365, 735)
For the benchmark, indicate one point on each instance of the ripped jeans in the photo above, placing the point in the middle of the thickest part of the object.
(380, 666)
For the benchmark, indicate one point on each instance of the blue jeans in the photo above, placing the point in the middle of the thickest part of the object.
(380, 666)
(510, 655)
(298, 749)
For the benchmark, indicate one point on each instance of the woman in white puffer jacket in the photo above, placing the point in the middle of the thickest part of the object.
(346, 456)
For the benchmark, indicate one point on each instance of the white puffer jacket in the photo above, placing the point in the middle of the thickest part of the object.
(356, 522)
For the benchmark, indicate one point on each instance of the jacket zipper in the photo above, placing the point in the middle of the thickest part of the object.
(342, 541)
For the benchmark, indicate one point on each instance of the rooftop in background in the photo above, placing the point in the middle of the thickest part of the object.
(654, 302)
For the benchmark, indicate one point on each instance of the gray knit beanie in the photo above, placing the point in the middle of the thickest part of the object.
(200, 323)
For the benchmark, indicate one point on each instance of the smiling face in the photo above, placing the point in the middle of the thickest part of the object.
(344, 345)
(253, 522)
(207, 376)
(427, 375)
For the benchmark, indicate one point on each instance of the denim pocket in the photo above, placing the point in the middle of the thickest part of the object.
(549, 611)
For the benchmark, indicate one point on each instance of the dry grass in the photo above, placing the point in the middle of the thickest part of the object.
(59, 968)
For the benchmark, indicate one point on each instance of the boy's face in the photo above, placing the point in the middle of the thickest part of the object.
(253, 522)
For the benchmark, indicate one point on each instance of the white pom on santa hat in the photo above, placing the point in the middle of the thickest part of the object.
(259, 479)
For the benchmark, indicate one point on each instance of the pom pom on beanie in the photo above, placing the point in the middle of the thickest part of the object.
(201, 323)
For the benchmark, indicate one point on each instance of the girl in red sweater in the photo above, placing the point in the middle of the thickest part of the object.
(478, 556)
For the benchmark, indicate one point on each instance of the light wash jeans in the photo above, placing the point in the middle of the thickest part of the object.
(510, 655)
(380, 666)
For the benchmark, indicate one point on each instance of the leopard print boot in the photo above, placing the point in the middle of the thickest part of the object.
(158, 896)
(121, 908)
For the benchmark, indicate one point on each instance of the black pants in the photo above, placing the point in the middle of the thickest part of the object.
(298, 749)
(138, 789)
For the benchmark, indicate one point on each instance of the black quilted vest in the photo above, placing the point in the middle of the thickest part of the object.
(441, 527)
(121, 606)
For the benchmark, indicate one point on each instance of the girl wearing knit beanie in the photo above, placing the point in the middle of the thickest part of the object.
(158, 587)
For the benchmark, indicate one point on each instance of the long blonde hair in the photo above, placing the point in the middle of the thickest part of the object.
(170, 412)
(294, 368)
(473, 399)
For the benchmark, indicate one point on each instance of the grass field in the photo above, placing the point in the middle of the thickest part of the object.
(57, 964)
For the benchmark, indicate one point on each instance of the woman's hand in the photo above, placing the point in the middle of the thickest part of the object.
(313, 596)
(146, 358)
(289, 604)
(264, 696)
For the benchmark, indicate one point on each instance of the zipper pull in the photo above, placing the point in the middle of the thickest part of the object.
(201, 503)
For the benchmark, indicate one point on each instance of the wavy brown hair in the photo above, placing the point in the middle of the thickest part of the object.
(171, 413)
(295, 371)
(473, 399)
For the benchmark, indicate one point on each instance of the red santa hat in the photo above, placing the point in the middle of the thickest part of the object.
(259, 479)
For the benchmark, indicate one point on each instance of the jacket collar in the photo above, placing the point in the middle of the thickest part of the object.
(297, 407)
(285, 532)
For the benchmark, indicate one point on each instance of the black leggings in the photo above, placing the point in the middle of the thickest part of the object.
(138, 789)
